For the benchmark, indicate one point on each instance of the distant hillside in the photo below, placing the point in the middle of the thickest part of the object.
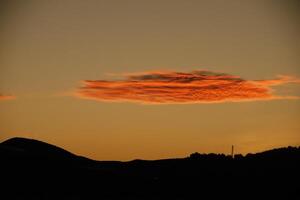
(36, 170)
(34, 147)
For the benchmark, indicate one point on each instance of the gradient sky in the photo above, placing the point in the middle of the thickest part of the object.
(52, 51)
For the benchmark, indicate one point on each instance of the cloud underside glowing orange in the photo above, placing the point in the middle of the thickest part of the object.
(178, 87)
(6, 97)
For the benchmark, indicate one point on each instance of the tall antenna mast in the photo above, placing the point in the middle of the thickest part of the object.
(232, 151)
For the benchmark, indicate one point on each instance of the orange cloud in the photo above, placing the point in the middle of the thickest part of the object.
(178, 87)
(6, 97)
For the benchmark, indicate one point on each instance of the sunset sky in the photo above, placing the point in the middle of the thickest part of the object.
(127, 79)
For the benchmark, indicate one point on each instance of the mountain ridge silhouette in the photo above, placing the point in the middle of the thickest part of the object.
(32, 145)
(38, 170)
(37, 147)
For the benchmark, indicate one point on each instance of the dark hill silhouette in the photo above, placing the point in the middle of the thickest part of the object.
(34, 148)
(33, 169)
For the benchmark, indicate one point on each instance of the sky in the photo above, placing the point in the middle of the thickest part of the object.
(120, 80)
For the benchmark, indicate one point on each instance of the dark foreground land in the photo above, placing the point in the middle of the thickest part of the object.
(32, 169)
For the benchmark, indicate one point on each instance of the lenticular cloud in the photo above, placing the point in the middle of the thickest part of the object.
(179, 87)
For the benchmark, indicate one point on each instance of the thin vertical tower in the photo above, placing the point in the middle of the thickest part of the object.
(232, 151)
